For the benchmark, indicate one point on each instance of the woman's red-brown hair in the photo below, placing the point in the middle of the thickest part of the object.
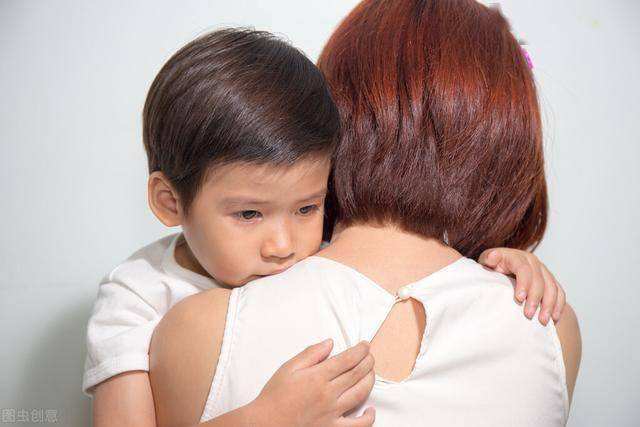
(441, 130)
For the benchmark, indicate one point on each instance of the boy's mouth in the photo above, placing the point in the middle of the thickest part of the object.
(280, 270)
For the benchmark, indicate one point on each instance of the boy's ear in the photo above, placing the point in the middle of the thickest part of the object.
(163, 200)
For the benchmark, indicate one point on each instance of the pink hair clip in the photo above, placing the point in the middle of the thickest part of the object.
(527, 57)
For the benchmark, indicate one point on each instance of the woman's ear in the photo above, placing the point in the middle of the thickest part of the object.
(163, 200)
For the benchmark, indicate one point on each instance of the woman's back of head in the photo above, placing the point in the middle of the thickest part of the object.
(441, 129)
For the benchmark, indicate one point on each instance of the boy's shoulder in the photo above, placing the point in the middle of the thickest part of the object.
(152, 274)
(146, 263)
(156, 249)
(154, 269)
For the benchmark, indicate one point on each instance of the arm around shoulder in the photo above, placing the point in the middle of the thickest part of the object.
(183, 356)
(571, 342)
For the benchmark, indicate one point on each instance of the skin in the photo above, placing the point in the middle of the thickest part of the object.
(193, 328)
(277, 223)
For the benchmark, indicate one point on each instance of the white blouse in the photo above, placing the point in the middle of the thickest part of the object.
(481, 362)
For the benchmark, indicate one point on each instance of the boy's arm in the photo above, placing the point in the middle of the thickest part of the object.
(124, 400)
(119, 331)
(534, 282)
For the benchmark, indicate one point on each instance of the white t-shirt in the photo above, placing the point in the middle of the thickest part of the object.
(131, 301)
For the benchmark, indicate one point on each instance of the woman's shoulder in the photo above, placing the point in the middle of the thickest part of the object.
(310, 277)
(184, 347)
(195, 315)
(568, 331)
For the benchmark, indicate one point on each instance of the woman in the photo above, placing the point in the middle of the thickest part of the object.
(440, 158)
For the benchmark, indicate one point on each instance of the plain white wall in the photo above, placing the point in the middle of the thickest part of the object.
(73, 78)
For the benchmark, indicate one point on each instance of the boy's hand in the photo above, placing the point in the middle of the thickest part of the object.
(534, 282)
(308, 390)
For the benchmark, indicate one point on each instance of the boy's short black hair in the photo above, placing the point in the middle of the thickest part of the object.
(233, 95)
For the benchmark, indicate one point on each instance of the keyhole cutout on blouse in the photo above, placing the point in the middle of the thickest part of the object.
(396, 344)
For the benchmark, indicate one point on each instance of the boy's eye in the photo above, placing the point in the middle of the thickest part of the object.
(248, 215)
(306, 210)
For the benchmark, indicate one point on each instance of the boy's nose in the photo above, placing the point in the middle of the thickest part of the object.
(278, 245)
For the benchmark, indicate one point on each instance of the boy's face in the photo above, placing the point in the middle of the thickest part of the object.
(250, 221)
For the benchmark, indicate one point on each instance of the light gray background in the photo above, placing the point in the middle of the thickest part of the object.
(73, 78)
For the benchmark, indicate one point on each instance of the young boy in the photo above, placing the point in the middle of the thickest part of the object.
(239, 128)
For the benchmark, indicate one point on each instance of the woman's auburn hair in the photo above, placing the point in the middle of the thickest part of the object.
(440, 124)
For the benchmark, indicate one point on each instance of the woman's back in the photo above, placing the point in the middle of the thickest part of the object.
(479, 361)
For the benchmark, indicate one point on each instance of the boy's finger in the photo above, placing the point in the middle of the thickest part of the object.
(348, 379)
(357, 394)
(561, 298)
(310, 356)
(560, 303)
(549, 297)
(524, 273)
(492, 258)
(489, 257)
(342, 362)
(534, 293)
(365, 420)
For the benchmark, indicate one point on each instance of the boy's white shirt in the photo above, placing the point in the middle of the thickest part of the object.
(131, 300)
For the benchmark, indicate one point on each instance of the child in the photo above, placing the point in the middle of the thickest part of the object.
(239, 128)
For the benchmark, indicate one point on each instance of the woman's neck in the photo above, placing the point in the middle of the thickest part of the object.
(388, 255)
